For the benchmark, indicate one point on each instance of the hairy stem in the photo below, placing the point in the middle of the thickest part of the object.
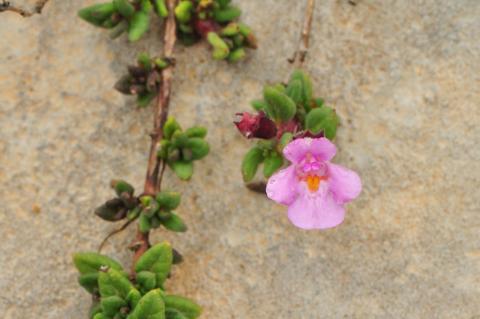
(302, 50)
(154, 173)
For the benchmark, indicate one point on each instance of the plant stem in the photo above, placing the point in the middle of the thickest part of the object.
(154, 174)
(302, 50)
(6, 6)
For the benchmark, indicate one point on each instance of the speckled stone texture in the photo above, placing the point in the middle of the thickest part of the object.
(404, 77)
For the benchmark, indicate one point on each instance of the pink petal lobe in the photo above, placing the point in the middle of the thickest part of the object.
(323, 149)
(345, 184)
(318, 211)
(282, 186)
(296, 150)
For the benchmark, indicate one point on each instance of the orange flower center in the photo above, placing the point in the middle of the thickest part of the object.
(313, 182)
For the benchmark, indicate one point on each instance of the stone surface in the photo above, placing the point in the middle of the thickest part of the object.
(404, 77)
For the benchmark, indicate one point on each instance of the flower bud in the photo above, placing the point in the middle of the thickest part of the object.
(256, 126)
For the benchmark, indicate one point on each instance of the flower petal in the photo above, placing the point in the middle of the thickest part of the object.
(316, 211)
(345, 184)
(322, 148)
(282, 186)
(296, 150)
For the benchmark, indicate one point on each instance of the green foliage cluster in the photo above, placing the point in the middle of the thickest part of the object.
(213, 20)
(122, 16)
(141, 295)
(180, 148)
(296, 113)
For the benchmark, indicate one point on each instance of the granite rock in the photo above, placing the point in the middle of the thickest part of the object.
(404, 76)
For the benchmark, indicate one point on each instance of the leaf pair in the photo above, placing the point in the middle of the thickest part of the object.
(261, 153)
(124, 16)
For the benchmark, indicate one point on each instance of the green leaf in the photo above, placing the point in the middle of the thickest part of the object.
(319, 102)
(147, 280)
(90, 262)
(285, 139)
(89, 281)
(199, 147)
(306, 84)
(196, 131)
(161, 8)
(144, 61)
(280, 106)
(174, 223)
(185, 306)
(113, 283)
(144, 99)
(183, 169)
(295, 91)
(138, 25)
(220, 48)
(146, 6)
(171, 125)
(100, 316)
(179, 139)
(95, 309)
(259, 105)
(250, 163)
(223, 3)
(272, 163)
(183, 11)
(237, 55)
(151, 306)
(134, 212)
(144, 223)
(322, 119)
(158, 259)
(227, 14)
(173, 314)
(168, 200)
(110, 22)
(133, 298)
(120, 187)
(231, 30)
(111, 305)
(97, 13)
(124, 7)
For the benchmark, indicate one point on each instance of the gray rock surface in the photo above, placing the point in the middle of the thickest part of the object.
(404, 77)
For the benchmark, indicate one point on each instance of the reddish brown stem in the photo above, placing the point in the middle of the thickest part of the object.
(6, 6)
(152, 185)
(302, 50)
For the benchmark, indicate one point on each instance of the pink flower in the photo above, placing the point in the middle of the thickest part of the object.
(314, 189)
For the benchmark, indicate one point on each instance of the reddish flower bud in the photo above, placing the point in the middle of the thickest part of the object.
(203, 27)
(256, 125)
